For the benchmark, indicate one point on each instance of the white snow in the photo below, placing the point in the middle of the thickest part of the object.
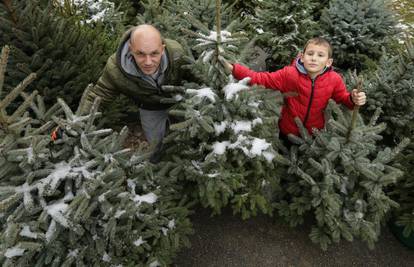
(220, 147)
(119, 213)
(171, 224)
(257, 121)
(139, 241)
(148, 198)
(203, 93)
(51, 230)
(73, 253)
(258, 146)
(251, 147)
(178, 97)
(259, 30)
(268, 156)
(212, 38)
(27, 233)
(131, 184)
(57, 211)
(220, 128)
(239, 126)
(30, 155)
(231, 89)
(106, 257)
(14, 252)
(62, 169)
(207, 55)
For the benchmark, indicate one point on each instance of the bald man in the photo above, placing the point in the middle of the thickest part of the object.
(143, 63)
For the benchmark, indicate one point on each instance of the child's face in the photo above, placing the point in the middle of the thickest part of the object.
(315, 59)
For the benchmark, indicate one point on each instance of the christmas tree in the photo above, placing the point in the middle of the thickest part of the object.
(357, 31)
(282, 28)
(225, 144)
(391, 88)
(341, 177)
(65, 55)
(77, 196)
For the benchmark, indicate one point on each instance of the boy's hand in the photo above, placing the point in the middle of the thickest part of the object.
(359, 98)
(228, 68)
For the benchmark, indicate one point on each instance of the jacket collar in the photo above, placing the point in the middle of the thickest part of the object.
(301, 68)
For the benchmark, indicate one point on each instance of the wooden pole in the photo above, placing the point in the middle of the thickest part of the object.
(356, 108)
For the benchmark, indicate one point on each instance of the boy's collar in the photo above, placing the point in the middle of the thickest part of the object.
(301, 68)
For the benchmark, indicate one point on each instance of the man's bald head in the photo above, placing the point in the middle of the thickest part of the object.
(145, 31)
(147, 47)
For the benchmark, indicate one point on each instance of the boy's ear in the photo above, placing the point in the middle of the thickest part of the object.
(329, 63)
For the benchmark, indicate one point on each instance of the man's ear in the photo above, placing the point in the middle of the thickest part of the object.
(329, 63)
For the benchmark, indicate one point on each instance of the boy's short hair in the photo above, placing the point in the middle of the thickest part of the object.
(319, 41)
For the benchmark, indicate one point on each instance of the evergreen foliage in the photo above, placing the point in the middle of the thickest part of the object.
(81, 198)
(405, 10)
(340, 176)
(92, 12)
(391, 88)
(403, 192)
(283, 27)
(224, 143)
(357, 31)
(174, 17)
(65, 55)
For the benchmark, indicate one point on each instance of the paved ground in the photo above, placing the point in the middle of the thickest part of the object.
(227, 240)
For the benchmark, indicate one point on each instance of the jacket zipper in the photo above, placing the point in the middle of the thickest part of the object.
(310, 102)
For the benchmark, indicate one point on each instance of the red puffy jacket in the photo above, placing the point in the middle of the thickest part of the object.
(312, 95)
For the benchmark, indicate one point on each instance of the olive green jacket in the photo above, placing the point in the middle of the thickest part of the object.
(115, 80)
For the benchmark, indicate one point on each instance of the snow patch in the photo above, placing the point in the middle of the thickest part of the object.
(15, 251)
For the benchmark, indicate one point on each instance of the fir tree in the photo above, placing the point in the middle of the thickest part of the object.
(403, 193)
(173, 17)
(283, 27)
(92, 12)
(65, 55)
(340, 176)
(392, 89)
(224, 144)
(80, 198)
(357, 31)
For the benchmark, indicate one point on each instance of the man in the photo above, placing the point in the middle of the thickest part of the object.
(142, 64)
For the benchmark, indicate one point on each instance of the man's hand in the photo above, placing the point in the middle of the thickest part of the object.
(359, 98)
(228, 68)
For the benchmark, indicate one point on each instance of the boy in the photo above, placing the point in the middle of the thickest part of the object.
(312, 78)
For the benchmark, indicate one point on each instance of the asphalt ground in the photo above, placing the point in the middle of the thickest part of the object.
(227, 240)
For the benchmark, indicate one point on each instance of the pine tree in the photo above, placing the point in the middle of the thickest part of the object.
(392, 89)
(340, 176)
(95, 13)
(283, 27)
(357, 31)
(65, 55)
(403, 193)
(80, 198)
(224, 145)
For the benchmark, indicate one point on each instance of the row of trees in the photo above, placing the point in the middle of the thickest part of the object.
(84, 199)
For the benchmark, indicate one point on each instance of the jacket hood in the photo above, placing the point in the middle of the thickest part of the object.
(301, 67)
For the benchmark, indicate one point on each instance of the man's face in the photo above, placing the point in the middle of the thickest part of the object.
(147, 53)
(315, 59)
